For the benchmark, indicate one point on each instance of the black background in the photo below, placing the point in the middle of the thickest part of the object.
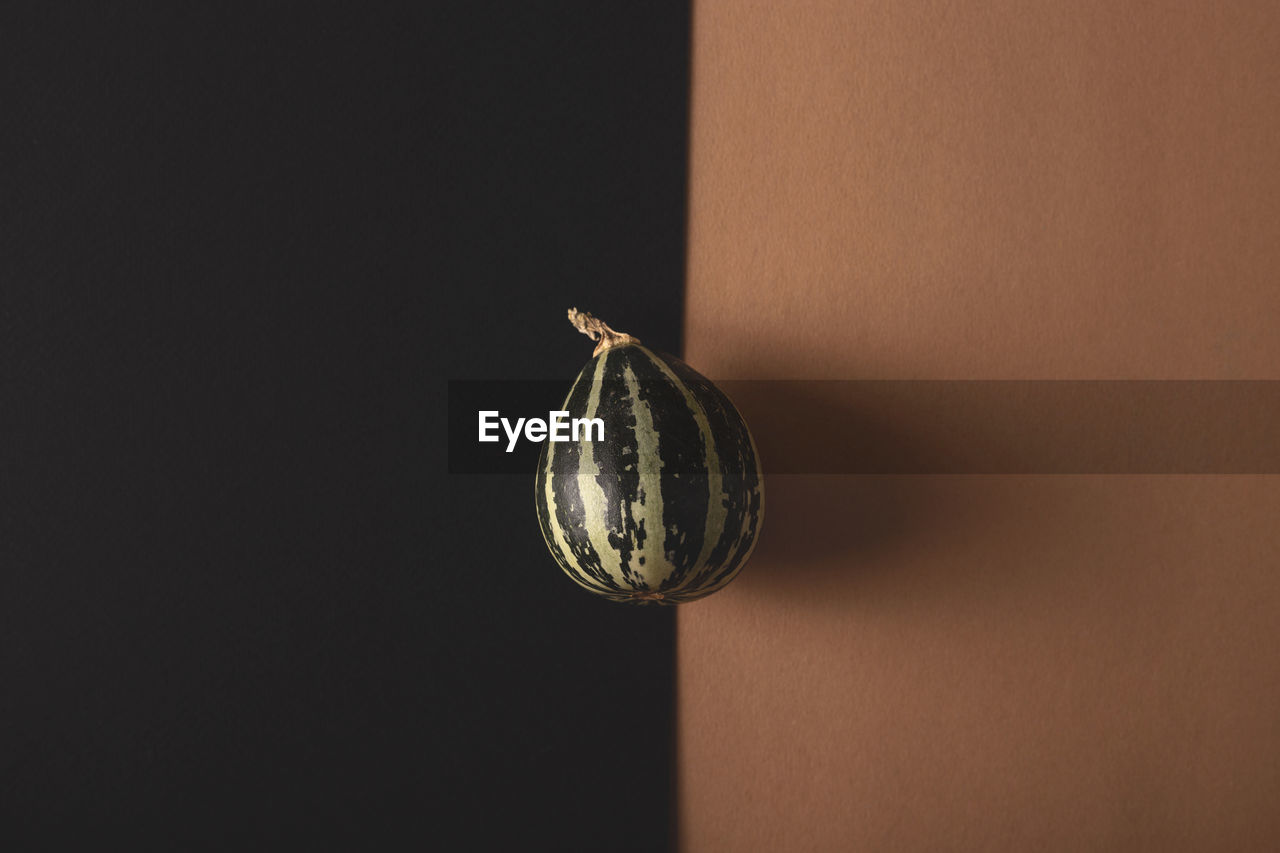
(244, 250)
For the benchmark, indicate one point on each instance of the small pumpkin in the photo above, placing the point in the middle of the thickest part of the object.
(667, 507)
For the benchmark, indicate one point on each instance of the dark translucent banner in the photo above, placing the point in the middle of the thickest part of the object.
(940, 427)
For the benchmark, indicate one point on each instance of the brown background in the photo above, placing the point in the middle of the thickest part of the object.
(899, 190)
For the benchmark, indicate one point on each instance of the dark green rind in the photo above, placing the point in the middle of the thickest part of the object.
(606, 559)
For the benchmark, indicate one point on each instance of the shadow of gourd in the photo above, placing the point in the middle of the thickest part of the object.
(833, 460)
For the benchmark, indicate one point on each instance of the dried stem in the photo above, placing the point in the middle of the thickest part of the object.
(598, 330)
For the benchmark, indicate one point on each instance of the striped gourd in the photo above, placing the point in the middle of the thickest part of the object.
(668, 506)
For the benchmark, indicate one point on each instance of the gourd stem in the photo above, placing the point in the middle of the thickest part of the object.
(598, 330)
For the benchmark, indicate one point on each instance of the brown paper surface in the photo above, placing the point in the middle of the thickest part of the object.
(907, 190)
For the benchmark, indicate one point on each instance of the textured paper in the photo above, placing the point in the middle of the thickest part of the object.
(906, 190)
